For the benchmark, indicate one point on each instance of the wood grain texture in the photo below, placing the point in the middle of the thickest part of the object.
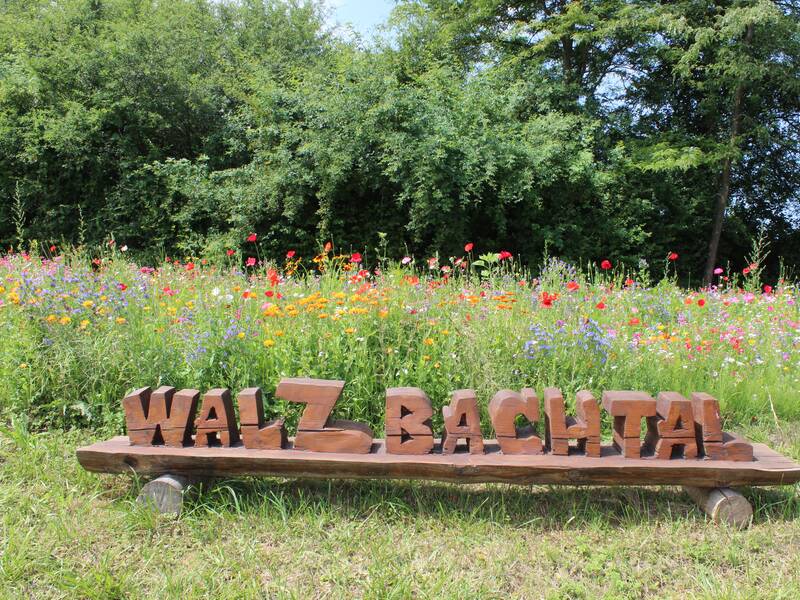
(504, 408)
(118, 456)
(216, 420)
(256, 433)
(559, 428)
(462, 420)
(161, 416)
(408, 421)
(708, 423)
(316, 432)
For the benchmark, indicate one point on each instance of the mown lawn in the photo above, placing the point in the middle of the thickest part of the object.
(66, 533)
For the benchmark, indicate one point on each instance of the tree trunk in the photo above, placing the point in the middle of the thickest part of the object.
(725, 177)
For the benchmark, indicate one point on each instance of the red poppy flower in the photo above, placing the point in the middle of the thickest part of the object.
(230, 252)
(252, 237)
(52, 248)
(468, 247)
(767, 289)
(605, 265)
(745, 271)
(629, 282)
(290, 254)
(355, 257)
(251, 262)
(504, 254)
(600, 306)
(269, 293)
(573, 286)
(673, 256)
(701, 302)
(547, 299)
(189, 266)
(634, 321)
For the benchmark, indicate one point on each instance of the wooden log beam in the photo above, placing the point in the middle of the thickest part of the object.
(118, 456)
(723, 505)
(165, 493)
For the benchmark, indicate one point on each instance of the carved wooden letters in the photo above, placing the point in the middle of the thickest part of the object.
(503, 410)
(161, 416)
(559, 429)
(628, 409)
(216, 423)
(462, 421)
(256, 433)
(670, 434)
(677, 428)
(316, 431)
(408, 421)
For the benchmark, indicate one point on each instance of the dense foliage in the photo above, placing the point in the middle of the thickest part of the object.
(590, 129)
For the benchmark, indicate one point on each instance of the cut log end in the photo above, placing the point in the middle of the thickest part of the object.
(165, 494)
(723, 505)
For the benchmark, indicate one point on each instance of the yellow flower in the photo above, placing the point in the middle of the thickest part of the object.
(383, 314)
(279, 333)
(104, 298)
(2, 290)
(428, 341)
(445, 332)
(65, 320)
(426, 357)
(269, 343)
(349, 330)
(147, 308)
(389, 350)
(84, 323)
(323, 316)
(87, 304)
(51, 318)
(121, 320)
(437, 365)
(23, 365)
(240, 335)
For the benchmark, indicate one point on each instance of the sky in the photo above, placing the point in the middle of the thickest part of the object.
(364, 15)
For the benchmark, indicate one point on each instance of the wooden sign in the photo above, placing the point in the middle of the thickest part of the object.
(676, 428)
(668, 439)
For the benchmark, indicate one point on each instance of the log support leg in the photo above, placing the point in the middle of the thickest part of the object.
(165, 494)
(723, 505)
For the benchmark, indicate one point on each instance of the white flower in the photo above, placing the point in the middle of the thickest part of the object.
(123, 248)
(215, 292)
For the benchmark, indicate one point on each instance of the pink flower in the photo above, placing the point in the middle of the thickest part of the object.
(718, 271)
(251, 262)
(406, 260)
(252, 237)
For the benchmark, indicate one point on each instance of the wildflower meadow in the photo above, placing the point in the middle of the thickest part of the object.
(80, 332)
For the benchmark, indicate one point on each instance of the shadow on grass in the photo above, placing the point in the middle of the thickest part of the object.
(545, 507)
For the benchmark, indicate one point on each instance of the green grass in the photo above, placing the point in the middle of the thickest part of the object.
(67, 533)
